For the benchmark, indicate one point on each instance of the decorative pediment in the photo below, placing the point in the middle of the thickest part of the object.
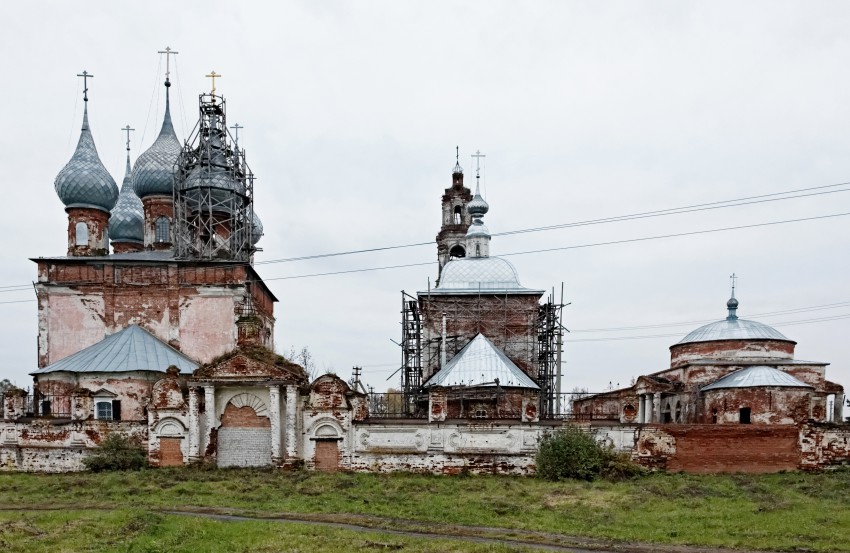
(649, 384)
(252, 364)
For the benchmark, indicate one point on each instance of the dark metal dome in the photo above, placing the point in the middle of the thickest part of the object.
(256, 230)
(84, 181)
(127, 222)
(154, 170)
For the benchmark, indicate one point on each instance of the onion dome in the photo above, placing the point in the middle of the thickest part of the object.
(213, 184)
(84, 181)
(256, 230)
(127, 223)
(477, 207)
(458, 170)
(154, 170)
(733, 328)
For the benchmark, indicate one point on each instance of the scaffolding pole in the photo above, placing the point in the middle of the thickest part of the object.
(411, 351)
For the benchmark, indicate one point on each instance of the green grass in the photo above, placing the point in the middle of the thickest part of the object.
(137, 531)
(777, 512)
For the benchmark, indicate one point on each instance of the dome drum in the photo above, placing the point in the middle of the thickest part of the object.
(743, 348)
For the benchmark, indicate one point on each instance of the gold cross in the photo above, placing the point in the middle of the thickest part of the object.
(213, 76)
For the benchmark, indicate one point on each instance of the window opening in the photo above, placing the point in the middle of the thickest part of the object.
(666, 416)
(82, 234)
(714, 416)
(104, 410)
(744, 415)
(457, 251)
(458, 216)
(163, 230)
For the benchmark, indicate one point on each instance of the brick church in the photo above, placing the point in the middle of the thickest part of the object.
(156, 325)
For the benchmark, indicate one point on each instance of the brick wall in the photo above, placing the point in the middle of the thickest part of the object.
(719, 448)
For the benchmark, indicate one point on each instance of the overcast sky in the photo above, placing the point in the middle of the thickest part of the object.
(585, 110)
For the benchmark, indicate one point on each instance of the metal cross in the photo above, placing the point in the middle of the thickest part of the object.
(213, 76)
(478, 155)
(457, 154)
(127, 129)
(733, 278)
(168, 53)
(86, 76)
(236, 128)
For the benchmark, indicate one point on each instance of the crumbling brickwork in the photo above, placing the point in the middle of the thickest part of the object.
(509, 321)
(191, 306)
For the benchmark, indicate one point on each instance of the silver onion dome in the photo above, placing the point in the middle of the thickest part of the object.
(84, 181)
(127, 223)
(256, 230)
(477, 207)
(153, 173)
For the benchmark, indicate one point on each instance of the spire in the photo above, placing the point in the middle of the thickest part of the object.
(732, 304)
(152, 174)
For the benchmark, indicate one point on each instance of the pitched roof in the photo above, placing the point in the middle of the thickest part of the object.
(481, 363)
(131, 349)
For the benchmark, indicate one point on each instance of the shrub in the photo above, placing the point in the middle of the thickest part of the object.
(572, 453)
(117, 452)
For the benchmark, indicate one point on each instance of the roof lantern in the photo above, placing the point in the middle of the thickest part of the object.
(84, 181)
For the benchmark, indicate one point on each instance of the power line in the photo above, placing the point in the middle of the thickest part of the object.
(579, 246)
(647, 336)
(705, 321)
(748, 200)
(545, 250)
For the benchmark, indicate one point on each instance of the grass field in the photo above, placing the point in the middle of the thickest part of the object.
(789, 512)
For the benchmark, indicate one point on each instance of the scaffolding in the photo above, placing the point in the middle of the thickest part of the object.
(550, 339)
(213, 192)
(411, 350)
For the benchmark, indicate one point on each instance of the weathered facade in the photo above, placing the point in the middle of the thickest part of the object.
(168, 341)
(729, 372)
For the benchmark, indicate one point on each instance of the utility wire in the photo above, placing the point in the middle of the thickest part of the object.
(579, 246)
(545, 250)
(749, 200)
(705, 321)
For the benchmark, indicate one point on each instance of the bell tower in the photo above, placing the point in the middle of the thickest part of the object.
(451, 240)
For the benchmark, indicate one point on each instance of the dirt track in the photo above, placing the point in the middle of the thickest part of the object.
(541, 541)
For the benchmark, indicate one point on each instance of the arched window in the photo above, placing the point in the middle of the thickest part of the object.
(678, 413)
(666, 414)
(477, 250)
(163, 230)
(82, 234)
(458, 218)
(457, 251)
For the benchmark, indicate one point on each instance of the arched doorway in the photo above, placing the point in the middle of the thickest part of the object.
(245, 436)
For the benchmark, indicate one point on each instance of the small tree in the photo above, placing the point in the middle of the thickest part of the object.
(570, 453)
(117, 452)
